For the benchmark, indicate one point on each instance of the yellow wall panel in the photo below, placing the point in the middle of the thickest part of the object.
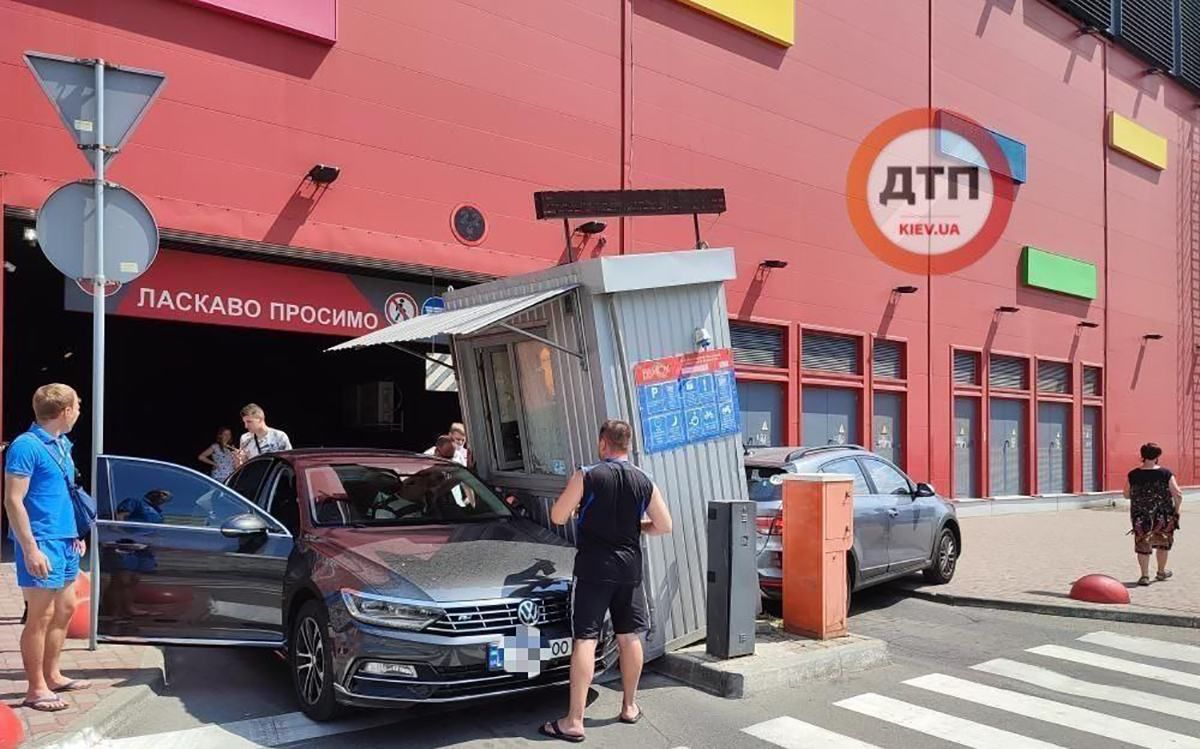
(774, 19)
(1133, 140)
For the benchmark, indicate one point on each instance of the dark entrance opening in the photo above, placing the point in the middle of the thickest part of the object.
(171, 385)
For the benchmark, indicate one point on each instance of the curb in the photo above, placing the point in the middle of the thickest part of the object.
(1057, 609)
(90, 729)
(733, 684)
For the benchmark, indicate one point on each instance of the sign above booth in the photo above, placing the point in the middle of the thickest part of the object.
(687, 399)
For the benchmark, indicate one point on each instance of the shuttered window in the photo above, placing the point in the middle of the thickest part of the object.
(1098, 13)
(831, 353)
(1008, 372)
(1092, 383)
(1148, 27)
(1054, 377)
(888, 359)
(757, 345)
(1189, 41)
(966, 368)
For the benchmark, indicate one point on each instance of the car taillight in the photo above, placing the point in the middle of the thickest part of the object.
(771, 525)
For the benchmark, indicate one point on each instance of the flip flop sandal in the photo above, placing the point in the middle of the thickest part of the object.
(555, 732)
(1143, 581)
(631, 721)
(1165, 575)
(74, 685)
(42, 704)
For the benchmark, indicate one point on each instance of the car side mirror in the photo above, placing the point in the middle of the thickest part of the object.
(924, 490)
(518, 507)
(244, 526)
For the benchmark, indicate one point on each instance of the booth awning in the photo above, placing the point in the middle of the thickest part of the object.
(462, 321)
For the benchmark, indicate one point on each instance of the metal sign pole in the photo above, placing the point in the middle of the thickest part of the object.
(98, 310)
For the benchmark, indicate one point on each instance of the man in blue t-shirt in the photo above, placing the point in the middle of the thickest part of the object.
(38, 474)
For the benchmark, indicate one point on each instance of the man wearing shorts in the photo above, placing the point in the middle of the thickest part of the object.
(38, 473)
(616, 504)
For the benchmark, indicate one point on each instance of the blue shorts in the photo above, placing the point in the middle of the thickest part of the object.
(64, 564)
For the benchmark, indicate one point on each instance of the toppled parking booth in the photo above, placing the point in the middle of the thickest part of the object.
(543, 359)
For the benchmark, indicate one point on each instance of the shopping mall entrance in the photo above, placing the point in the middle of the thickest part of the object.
(174, 377)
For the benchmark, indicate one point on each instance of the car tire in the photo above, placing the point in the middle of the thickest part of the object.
(945, 558)
(849, 590)
(311, 660)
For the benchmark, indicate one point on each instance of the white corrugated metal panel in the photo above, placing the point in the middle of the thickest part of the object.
(463, 321)
(652, 324)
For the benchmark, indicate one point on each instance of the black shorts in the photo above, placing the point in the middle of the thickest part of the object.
(590, 601)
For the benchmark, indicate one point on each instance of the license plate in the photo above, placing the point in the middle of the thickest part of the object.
(525, 652)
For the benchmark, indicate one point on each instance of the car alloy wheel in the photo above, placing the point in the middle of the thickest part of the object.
(945, 558)
(947, 555)
(310, 661)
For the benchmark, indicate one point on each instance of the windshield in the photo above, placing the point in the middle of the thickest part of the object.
(758, 481)
(399, 493)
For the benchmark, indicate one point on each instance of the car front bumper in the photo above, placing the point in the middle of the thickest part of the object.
(449, 668)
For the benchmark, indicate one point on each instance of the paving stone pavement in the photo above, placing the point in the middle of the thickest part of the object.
(109, 668)
(1035, 558)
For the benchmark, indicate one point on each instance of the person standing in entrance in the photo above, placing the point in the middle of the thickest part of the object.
(259, 438)
(221, 456)
(616, 502)
(1154, 504)
(38, 473)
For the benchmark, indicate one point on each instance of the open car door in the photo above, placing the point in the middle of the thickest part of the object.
(186, 560)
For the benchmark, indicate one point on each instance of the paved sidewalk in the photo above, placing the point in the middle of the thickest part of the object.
(117, 673)
(1029, 561)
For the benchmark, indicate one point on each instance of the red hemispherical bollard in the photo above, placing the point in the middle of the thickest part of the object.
(1099, 589)
(12, 730)
(80, 626)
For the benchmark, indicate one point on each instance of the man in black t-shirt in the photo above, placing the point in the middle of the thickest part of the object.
(616, 503)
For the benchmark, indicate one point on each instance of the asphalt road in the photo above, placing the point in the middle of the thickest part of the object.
(225, 698)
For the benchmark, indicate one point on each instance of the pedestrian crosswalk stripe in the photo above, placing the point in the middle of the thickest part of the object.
(1044, 677)
(1058, 713)
(941, 725)
(1171, 651)
(1121, 665)
(796, 734)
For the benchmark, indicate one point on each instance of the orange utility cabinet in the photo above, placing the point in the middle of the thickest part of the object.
(818, 530)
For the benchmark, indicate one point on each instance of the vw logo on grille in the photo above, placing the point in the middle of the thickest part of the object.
(527, 612)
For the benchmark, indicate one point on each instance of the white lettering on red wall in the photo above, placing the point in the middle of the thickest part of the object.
(192, 287)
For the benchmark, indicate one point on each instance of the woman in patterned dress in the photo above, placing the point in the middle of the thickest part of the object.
(1155, 500)
(221, 456)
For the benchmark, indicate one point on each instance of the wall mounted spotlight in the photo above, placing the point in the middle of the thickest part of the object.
(1153, 337)
(591, 227)
(906, 289)
(773, 264)
(1008, 309)
(324, 174)
(1088, 324)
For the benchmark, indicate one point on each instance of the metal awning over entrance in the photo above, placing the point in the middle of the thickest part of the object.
(463, 321)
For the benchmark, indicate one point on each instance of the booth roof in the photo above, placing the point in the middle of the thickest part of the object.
(462, 321)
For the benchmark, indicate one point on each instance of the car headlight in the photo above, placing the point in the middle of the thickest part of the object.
(384, 612)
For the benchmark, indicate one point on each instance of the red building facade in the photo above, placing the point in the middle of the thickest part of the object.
(429, 105)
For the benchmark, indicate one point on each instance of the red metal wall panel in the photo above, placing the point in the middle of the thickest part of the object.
(431, 103)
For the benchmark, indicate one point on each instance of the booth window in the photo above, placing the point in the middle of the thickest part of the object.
(525, 408)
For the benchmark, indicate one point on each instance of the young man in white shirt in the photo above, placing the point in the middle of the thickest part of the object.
(259, 438)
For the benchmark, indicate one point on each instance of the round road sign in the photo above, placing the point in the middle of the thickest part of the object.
(66, 229)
